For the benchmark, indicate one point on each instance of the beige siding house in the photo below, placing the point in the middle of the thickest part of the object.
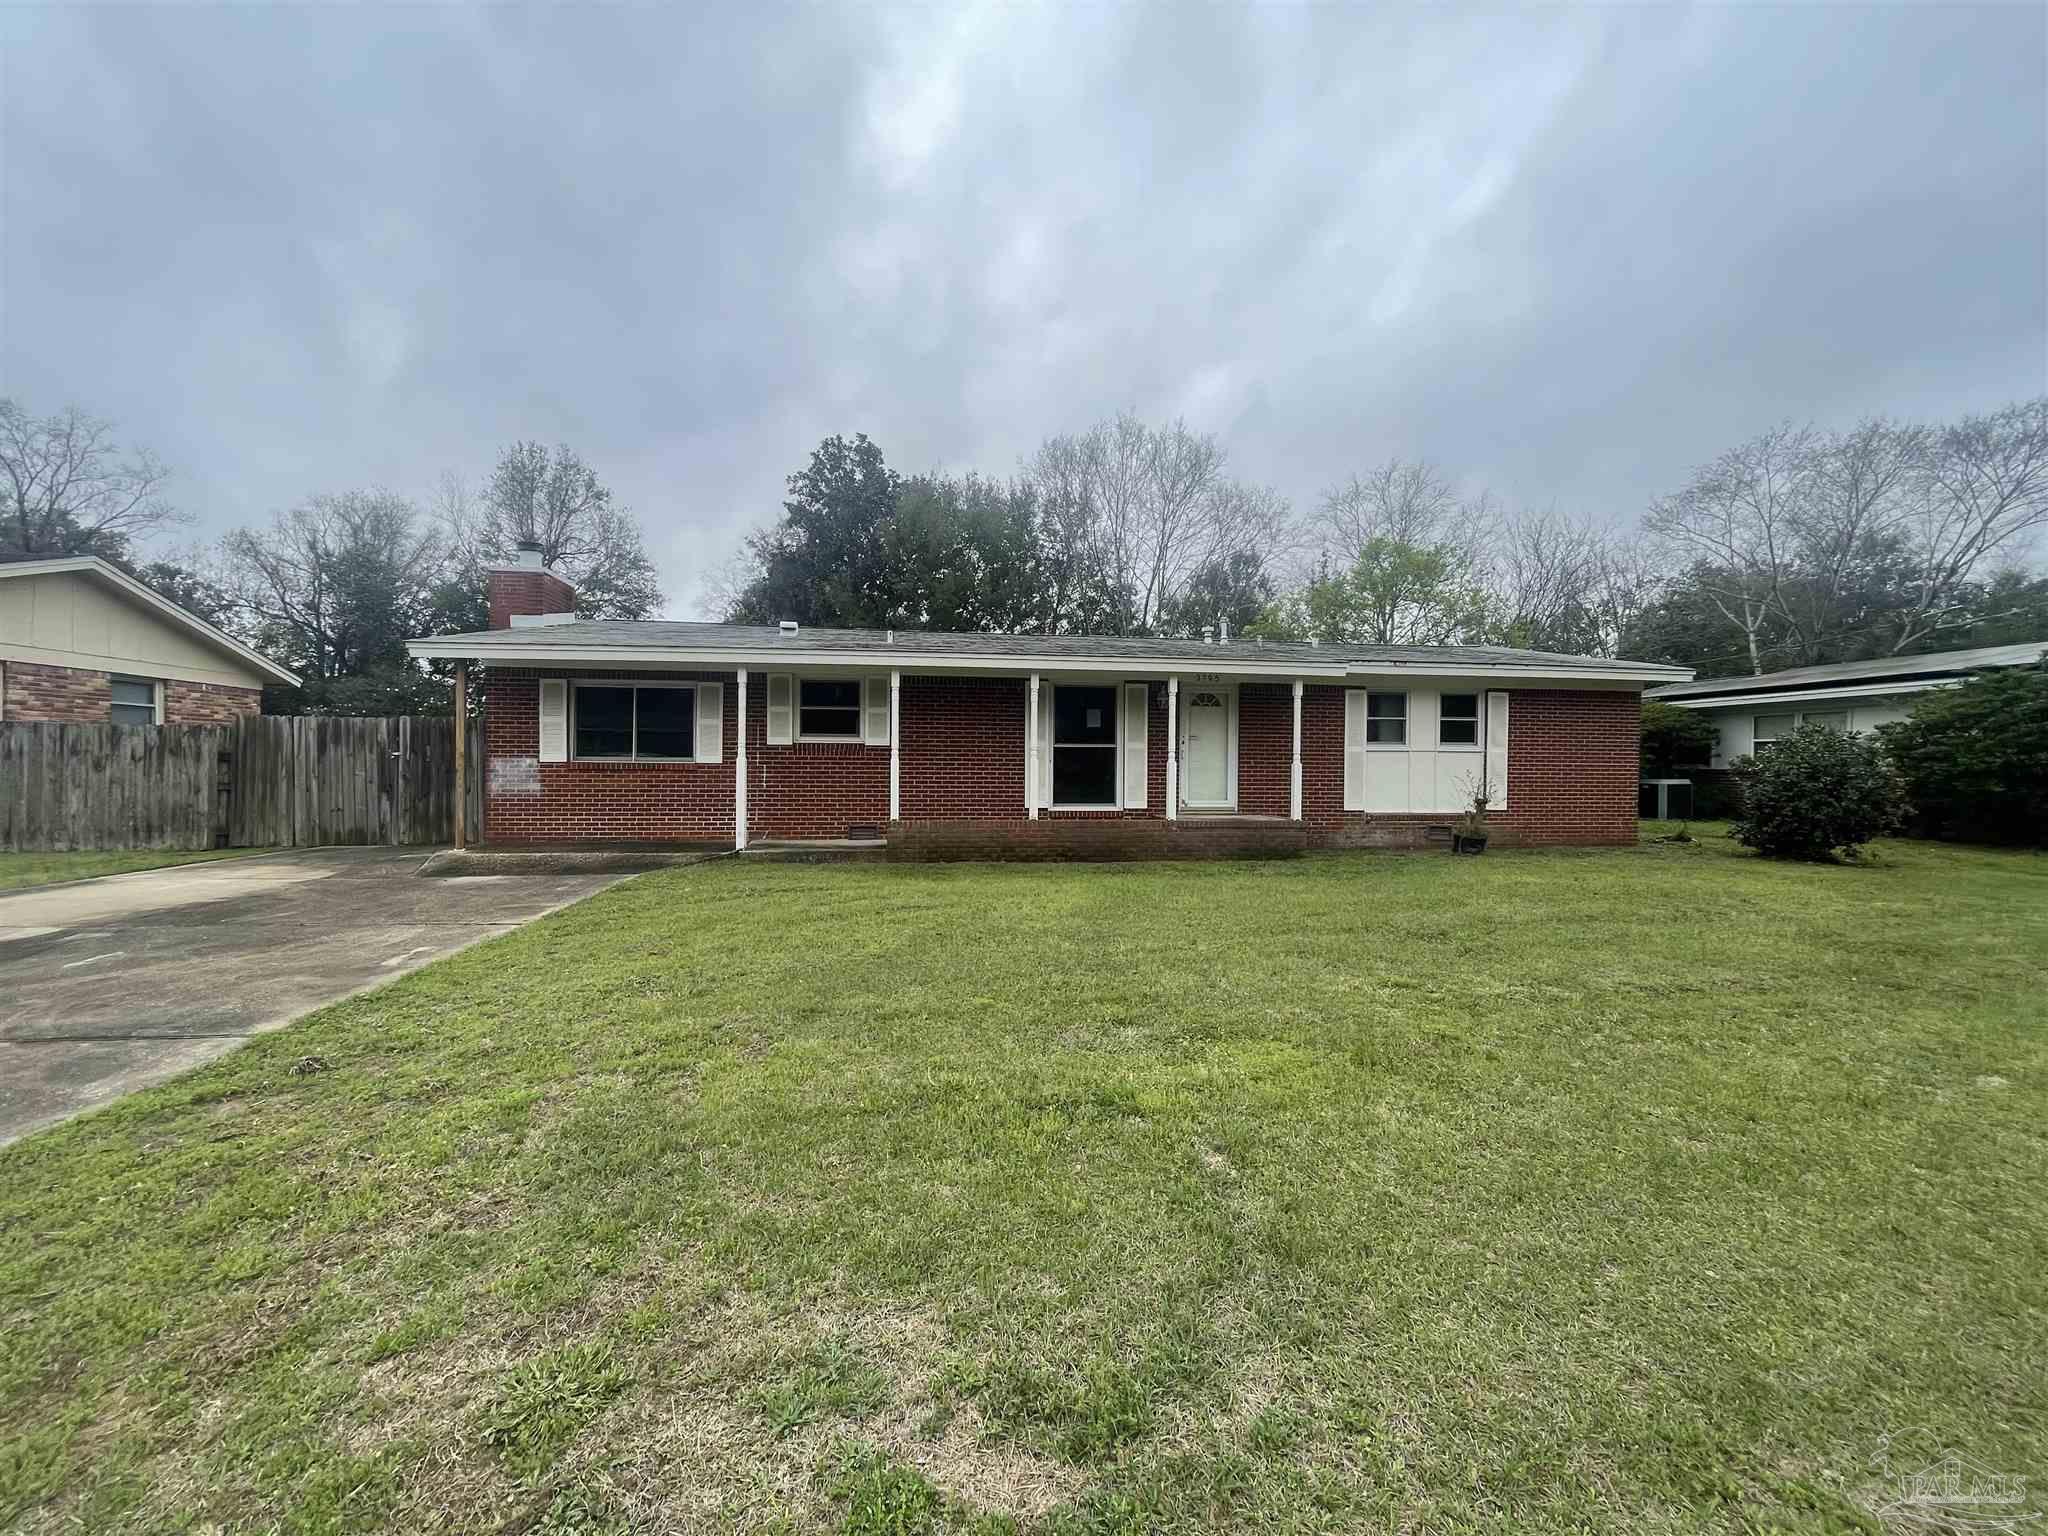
(81, 640)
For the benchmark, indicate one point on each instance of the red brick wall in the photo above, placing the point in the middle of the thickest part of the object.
(1572, 774)
(36, 692)
(78, 696)
(209, 703)
(526, 591)
(1573, 758)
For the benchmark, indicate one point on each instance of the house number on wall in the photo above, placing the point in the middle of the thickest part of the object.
(1204, 677)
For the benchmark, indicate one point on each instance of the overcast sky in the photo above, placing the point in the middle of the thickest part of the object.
(1564, 254)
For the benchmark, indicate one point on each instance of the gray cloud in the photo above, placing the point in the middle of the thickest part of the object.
(1566, 254)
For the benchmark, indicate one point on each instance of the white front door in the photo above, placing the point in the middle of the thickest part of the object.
(1205, 748)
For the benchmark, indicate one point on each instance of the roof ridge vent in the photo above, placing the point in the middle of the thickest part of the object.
(787, 626)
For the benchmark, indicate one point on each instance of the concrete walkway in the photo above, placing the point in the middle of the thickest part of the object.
(107, 985)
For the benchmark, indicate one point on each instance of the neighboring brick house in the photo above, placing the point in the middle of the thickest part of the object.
(81, 640)
(979, 745)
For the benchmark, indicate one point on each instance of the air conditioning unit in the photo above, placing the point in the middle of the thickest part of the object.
(1665, 800)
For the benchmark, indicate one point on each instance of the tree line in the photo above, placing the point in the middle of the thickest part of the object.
(331, 588)
(1799, 547)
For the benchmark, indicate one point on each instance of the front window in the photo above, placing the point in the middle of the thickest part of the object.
(828, 709)
(625, 721)
(1084, 746)
(1459, 724)
(1833, 719)
(1386, 719)
(1770, 727)
(134, 702)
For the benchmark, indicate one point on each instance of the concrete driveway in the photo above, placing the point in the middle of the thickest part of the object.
(110, 984)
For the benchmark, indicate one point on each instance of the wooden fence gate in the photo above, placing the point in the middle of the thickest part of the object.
(286, 781)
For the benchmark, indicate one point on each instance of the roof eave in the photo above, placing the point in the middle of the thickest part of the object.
(567, 653)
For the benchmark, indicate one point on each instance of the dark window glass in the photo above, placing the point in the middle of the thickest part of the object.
(1459, 724)
(668, 722)
(1084, 715)
(134, 702)
(831, 707)
(1084, 776)
(604, 722)
(1386, 719)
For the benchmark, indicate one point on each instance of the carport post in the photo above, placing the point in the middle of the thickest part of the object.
(1294, 768)
(1172, 749)
(739, 770)
(461, 751)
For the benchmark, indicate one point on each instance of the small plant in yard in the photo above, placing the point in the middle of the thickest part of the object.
(1816, 792)
(1469, 833)
(544, 1403)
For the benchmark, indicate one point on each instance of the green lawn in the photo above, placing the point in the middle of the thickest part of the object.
(23, 869)
(1631, 1191)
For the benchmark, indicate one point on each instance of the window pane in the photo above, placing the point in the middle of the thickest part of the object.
(604, 722)
(828, 706)
(1084, 775)
(1461, 706)
(1771, 727)
(1458, 733)
(134, 702)
(668, 722)
(1084, 715)
(1834, 720)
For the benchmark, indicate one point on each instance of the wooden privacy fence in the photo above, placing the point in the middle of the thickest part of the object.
(292, 781)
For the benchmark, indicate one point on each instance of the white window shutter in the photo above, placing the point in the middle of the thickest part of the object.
(781, 708)
(554, 720)
(875, 717)
(1045, 746)
(1137, 767)
(1354, 749)
(1497, 750)
(711, 722)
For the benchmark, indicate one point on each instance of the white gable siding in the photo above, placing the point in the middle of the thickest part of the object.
(64, 619)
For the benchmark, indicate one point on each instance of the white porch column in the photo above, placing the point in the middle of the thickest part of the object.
(1031, 750)
(1172, 749)
(1294, 769)
(895, 746)
(739, 771)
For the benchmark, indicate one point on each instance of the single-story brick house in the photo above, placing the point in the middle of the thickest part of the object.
(969, 745)
(82, 641)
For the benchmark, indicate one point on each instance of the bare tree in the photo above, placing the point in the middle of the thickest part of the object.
(1855, 495)
(1407, 502)
(1147, 508)
(1738, 523)
(554, 498)
(1979, 490)
(67, 488)
(1547, 571)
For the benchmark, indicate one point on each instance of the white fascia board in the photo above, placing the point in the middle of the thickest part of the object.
(120, 580)
(900, 658)
(1793, 698)
(1534, 677)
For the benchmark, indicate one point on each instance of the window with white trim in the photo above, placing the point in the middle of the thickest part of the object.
(828, 709)
(1083, 747)
(134, 701)
(1458, 724)
(1767, 729)
(1386, 719)
(627, 722)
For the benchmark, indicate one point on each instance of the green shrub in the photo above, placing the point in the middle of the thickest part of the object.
(1975, 758)
(1675, 739)
(1817, 791)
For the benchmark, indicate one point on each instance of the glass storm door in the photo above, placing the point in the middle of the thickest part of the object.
(1205, 748)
